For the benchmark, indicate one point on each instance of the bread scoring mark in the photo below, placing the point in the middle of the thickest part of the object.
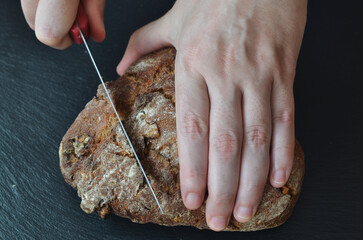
(143, 65)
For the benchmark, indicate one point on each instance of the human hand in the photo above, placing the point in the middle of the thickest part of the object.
(52, 20)
(234, 73)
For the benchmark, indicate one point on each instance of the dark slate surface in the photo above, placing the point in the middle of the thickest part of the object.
(42, 91)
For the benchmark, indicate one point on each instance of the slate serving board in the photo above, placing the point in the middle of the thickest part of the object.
(42, 91)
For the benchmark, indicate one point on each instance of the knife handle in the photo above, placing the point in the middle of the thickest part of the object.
(82, 21)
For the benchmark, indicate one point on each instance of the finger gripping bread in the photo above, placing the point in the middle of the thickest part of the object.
(96, 160)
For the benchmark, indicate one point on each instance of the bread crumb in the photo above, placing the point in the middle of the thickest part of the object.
(285, 190)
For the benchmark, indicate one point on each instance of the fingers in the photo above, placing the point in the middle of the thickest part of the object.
(255, 153)
(53, 21)
(192, 108)
(29, 9)
(224, 155)
(95, 13)
(283, 140)
(151, 37)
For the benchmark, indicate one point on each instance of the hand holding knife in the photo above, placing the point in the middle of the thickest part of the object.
(82, 21)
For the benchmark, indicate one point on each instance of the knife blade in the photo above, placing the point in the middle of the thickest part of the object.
(114, 109)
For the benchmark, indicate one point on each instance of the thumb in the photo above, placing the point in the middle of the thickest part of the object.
(150, 37)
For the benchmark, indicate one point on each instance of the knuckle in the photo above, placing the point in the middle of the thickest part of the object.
(286, 149)
(251, 192)
(257, 136)
(188, 56)
(49, 36)
(250, 186)
(222, 199)
(226, 144)
(133, 36)
(283, 155)
(193, 127)
(265, 55)
(133, 41)
(227, 58)
(284, 116)
(193, 181)
(290, 71)
(284, 74)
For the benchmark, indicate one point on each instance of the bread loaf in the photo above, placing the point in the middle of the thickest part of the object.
(96, 160)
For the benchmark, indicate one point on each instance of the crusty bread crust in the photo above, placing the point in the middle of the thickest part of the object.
(96, 160)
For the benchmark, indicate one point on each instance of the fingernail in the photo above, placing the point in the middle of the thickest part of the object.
(279, 177)
(218, 223)
(193, 200)
(244, 213)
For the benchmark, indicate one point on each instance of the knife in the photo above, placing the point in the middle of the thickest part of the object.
(79, 34)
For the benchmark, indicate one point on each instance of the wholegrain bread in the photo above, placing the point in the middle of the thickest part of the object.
(96, 160)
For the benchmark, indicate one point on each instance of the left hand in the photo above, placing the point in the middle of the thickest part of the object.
(234, 74)
(52, 19)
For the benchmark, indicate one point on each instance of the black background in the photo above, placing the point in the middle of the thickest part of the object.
(42, 91)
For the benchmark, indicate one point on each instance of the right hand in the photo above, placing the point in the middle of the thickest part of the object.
(52, 20)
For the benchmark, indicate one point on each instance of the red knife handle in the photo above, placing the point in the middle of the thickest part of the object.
(82, 21)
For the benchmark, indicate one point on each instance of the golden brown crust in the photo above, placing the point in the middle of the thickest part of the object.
(96, 160)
